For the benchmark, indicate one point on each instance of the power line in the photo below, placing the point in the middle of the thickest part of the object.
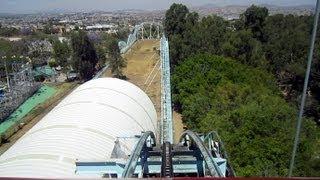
(304, 94)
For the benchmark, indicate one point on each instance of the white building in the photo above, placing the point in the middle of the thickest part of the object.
(84, 126)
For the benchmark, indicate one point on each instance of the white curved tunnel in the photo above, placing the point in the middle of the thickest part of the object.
(84, 126)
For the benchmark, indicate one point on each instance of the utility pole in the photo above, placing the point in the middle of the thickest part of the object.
(304, 94)
(142, 32)
(150, 31)
(6, 70)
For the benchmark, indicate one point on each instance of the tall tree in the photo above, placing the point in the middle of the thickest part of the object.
(84, 55)
(61, 52)
(175, 19)
(254, 18)
(117, 62)
(211, 34)
(102, 55)
(242, 102)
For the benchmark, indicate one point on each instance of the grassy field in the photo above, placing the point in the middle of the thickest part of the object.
(36, 113)
(44, 93)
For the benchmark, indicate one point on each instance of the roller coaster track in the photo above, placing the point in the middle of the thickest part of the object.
(209, 140)
(139, 152)
(166, 107)
(194, 156)
(166, 166)
(191, 153)
(207, 156)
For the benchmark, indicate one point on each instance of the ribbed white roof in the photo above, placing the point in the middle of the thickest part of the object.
(84, 125)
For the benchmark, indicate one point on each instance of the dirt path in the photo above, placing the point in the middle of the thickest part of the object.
(177, 125)
(141, 60)
(38, 113)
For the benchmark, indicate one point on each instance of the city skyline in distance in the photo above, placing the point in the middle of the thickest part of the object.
(60, 6)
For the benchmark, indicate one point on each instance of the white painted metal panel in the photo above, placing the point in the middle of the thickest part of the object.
(85, 125)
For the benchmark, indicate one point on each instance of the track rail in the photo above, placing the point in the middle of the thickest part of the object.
(202, 149)
(166, 166)
(213, 136)
(208, 158)
(139, 152)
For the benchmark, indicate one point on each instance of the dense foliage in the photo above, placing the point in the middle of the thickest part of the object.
(253, 110)
(7, 32)
(244, 105)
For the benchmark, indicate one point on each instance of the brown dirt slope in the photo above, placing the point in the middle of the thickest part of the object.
(141, 60)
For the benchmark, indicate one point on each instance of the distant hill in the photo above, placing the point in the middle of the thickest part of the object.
(228, 12)
(233, 11)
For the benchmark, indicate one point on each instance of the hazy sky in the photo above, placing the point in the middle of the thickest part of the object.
(31, 6)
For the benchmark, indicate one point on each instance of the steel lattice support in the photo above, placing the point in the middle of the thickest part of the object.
(138, 33)
(20, 86)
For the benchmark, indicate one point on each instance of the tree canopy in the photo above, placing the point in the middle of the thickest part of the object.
(245, 106)
(251, 99)
(175, 22)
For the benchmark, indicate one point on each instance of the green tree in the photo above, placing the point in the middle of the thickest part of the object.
(5, 47)
(287, 40)
(52, 63)
(175, 21)
(254, 18)
(116, 61)
(83, 55)
(239, 98)
(8, 32)
(245, 106)
(123, 33)
(211, 33)
(242, 46)
(102, 55)
(47, 29)
(61, 52)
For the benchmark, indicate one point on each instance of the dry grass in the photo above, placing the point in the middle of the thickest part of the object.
(141, 60)
(177, 125)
